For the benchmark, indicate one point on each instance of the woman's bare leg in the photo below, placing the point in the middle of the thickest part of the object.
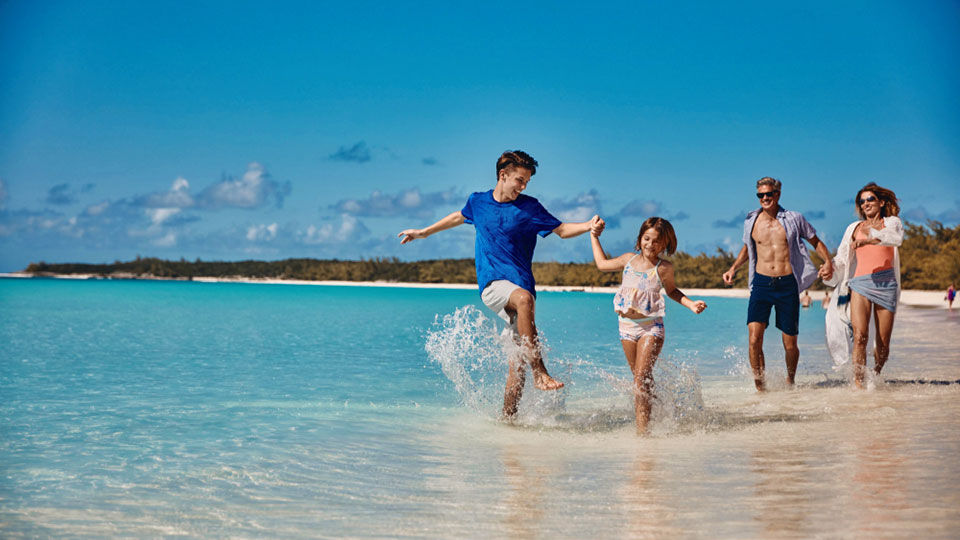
(883, 320)
(860, 319)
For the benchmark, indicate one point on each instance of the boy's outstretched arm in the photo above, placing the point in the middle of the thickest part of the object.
(569, 230)
(675, 294)
(452, 220)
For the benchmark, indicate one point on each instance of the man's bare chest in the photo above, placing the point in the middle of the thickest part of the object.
(768, 232)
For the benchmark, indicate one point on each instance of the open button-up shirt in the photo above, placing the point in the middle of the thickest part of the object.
(797, 228)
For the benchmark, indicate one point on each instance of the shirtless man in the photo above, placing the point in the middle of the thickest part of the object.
(780, 268)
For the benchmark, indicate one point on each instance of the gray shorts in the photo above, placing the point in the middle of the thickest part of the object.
(496, 295)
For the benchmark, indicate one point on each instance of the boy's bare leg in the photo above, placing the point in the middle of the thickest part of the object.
(522, 303)
(757, 361)
(516, 375)
(792, 356)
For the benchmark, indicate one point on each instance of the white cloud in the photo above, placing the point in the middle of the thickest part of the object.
(262, 233)
(159, 215)
(97, 209)
(253, 190)
(406, 203)
(349, 229)
(167, 240)
(177, 197)
(581, 208)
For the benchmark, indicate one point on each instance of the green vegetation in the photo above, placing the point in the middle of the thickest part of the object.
(929, 259)
(930, 256)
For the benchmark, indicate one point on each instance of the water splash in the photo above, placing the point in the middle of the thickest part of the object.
(473, 354)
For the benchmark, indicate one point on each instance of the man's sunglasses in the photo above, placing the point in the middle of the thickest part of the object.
(766, 194)
(867, 199)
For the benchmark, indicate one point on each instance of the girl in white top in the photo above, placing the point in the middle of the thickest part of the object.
(640, 305)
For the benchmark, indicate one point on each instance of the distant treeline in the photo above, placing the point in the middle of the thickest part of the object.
(929, 258)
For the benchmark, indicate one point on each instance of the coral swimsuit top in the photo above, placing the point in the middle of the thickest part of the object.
(639, 294)
(871, 258)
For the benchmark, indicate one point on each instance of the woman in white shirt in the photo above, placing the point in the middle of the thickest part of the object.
(867, 280)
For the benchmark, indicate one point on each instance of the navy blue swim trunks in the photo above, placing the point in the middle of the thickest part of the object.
(780, 291)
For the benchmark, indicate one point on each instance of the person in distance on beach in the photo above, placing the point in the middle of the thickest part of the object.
(951, 294)
(640, 307)
(780, 268)
(507, 224)
(867, 279)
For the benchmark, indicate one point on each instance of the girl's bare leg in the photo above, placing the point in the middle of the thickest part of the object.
(641, 356)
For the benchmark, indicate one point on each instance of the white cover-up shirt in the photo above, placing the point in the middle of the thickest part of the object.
(839, 331)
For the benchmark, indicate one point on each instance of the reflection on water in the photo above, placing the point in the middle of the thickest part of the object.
(782, 498)
(878, 483)
(525, 493)
(648, 505)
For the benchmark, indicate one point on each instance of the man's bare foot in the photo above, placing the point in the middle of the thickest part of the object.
(761, 387)
(545, 382)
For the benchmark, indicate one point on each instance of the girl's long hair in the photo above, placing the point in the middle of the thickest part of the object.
(664, 229)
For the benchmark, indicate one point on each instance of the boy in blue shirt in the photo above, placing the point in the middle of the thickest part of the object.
(507, 224)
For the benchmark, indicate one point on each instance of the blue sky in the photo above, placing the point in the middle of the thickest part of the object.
(236, 130)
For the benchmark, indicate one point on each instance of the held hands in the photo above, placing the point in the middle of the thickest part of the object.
(826, 270)
(596, 225)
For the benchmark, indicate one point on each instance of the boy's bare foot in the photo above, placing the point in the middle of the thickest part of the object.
(545, 382)
(761, 387)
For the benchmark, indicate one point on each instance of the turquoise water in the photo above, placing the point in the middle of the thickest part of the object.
(144, 408)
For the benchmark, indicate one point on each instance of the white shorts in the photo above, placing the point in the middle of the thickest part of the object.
(496, 295)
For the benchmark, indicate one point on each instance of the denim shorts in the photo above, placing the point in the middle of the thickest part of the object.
(780, 292)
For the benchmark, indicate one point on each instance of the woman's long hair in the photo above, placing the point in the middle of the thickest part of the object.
(891, 207)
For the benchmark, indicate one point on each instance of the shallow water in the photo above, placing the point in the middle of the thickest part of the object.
(208, 410)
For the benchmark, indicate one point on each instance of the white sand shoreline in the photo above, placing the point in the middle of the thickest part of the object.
(915, 298)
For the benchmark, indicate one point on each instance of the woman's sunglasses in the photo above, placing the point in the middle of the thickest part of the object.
(765, 194)
(865, 200)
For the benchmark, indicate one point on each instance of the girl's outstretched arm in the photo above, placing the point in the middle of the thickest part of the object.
(600, 258)
(666, 277)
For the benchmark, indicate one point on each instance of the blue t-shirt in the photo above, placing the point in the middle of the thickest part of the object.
(506, 235)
